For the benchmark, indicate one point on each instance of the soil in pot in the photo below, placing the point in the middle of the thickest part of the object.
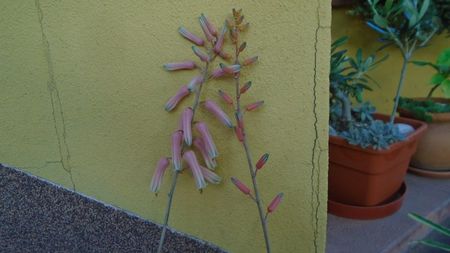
(433, 151)
(368, 177)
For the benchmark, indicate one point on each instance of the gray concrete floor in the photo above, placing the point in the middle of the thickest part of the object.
(425, 196)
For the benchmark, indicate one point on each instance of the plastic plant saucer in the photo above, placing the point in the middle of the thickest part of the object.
(369, 212)
(429, 173)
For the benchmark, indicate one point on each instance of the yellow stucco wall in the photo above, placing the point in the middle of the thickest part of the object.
(387, 74)
(82, 105)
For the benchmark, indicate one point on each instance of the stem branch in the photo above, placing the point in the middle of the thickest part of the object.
(401, 82)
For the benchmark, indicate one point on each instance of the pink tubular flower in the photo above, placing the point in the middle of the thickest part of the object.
(212, 30)
(231, 69)
(239, 133)
(245, 87)
(212, 107)
(180, 65)
(217, 73)
(239, 119)
(207, 139)
(210, 162)
(186, 122)
(173, 101)
(254, 106)
(204, 57)
(226, 97)
(194, 82)
(241, 186)
(191, 37)
(205, 29)
(210, 176)
(250, 61)
(275, 202)
(225, 56)
(262, 161)
(219, 43)
(191, 160)
(177, 139)
(161, 167)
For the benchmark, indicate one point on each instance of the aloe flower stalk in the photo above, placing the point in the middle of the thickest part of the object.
(190, 158)
(210, 162)
(186, 121)
(262, 161)
(275, 202)
(207, 139)
(191, 37)
(226, 97)
(212, 107)
(241, 186)
(245, 87)
(177, 141)
(231, 69)
(210, 176)
(203, 57)
(219, 44)
(250, 61)
(254, 106)
(192, 85)
(212, 30)
(161, 167)
(218, 73)
(180, 66)
(173, 101)
(235, 26)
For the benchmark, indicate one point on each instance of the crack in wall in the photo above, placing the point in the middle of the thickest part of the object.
(55, 99)
(317, 150)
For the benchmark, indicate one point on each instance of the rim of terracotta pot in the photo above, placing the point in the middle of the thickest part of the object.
(369, 212)
(435, 117)
(419, 127)
(342, 3)
(429, 173)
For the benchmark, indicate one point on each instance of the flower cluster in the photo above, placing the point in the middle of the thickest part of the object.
(194, 137)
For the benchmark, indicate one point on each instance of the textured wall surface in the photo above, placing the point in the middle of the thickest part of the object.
(82, 105)
(387, 74)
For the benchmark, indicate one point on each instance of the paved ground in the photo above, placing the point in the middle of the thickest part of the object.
(428, 197)
(36, 216)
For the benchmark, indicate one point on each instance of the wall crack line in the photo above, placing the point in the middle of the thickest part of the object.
(56, 103)
(317, 150)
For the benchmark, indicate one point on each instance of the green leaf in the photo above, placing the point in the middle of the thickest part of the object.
(437, 78)
(444, 57)
(388, 5)
(424, 8)
(380, 21)
(436, 245)
(446, 88)
(436, 227)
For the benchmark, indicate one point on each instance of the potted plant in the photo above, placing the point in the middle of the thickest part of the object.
(368, 155)
(431, 157)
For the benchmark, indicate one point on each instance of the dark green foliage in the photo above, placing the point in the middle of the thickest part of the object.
(422, 109)
(348, 79)
(438, 8)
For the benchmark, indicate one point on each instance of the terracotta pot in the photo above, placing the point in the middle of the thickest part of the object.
(367, 177)
(339, 3)
(433, 151)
